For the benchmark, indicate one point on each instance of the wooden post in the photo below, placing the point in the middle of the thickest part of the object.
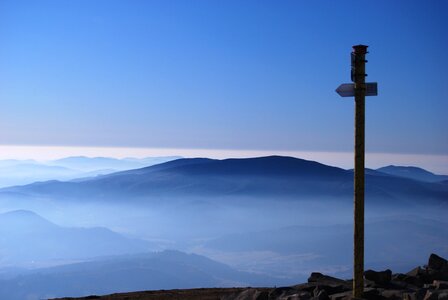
(359, 53)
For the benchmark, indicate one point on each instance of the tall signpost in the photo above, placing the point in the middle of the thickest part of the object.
(359, 89)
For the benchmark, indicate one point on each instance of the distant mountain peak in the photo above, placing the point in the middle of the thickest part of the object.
(412, 172)
(24, 219)
(21, 213)
(406, 169)
(266, 176)
(274, 165)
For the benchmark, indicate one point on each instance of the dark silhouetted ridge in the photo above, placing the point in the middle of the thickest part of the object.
(412, 173)
(271, 176)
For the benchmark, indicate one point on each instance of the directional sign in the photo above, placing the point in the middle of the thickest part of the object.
(348, 89)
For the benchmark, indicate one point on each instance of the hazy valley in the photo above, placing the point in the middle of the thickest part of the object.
(257, 221)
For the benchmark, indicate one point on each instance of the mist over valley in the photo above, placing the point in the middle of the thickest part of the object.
(273, 219)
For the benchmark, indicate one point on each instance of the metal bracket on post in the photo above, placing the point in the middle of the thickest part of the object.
(360, 86)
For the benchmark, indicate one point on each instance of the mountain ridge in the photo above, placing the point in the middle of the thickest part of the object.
(412, 172)
(166, 269)
(261, 176)
(21, 228)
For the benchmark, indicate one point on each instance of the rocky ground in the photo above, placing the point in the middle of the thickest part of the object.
(422, 283)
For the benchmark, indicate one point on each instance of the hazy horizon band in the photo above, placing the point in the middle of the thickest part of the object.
(435, 163)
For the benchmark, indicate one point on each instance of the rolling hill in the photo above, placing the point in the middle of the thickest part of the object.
(263, 177)
(20, 172)
(158, 270)
(413, 173)
(28, 240)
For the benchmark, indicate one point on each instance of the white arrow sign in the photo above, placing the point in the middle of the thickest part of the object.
(348, 89)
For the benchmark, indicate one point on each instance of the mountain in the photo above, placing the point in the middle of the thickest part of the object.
(412, 173)
(88, 164)
(25, 172)
(27, 239)
(13, 162)
(373, 172)
(263, 177)
(159, 270)
(20, 172)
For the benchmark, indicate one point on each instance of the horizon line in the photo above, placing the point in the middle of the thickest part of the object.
(437, 163)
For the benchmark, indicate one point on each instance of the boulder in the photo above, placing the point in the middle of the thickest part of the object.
(325, 279)
(443, 295)
(438, 263)
(304, 296)
(318, 282)
(252, 294)
(419, 276)
(381, 278)
(404, 282)
(342, 296)
(292, 297)
(437, 268)
(418, 271)
(440, 284)
(281, 292)
(392, 294)
(431, 295)
(321, 295)
(372, 294)
(413, 296)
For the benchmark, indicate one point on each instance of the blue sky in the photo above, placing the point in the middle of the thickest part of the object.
(253, 75)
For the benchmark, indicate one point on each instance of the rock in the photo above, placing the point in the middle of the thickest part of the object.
(440, 284)
(401, 285)
(437, 268)
(342, 296)
(419, 276)
(381, 278)
(318, 282)
(304, 296)
(320, 295)
(410, 296)
(392, 294)
(431, 295)
(325, 279)
(370, 284)
(334, 289)
(291, 297)
(252, 294)
(372, 294)
(403, 281)
(399, 276)
(281, 292)
(443, 295)
(437, 263)
(330, 289)
(415, 272)
(418, 295)
(309, 286)
(316, 291)
(298, 296)
(264, 295)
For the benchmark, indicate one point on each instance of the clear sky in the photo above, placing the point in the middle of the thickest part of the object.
(245, 75)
